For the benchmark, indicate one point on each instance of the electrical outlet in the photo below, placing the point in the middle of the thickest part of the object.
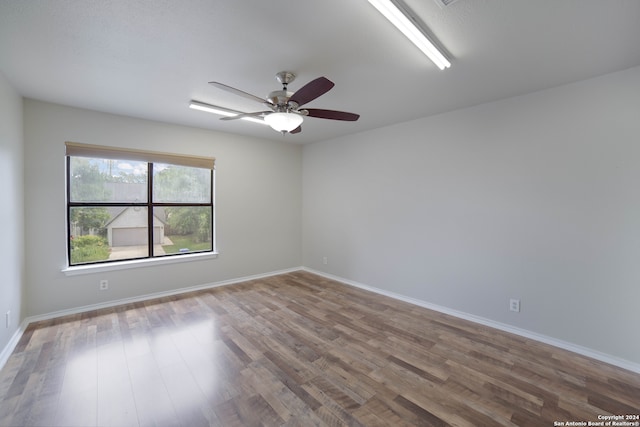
(324, 260)
(104, 285)
(514, 305)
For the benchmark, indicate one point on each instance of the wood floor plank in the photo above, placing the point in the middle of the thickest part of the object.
(186, 396)
(268, 389)
(116, 402)
(296, 350)
(153, 403)
(377, 413)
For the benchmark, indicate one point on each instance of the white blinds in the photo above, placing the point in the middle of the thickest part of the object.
(102, 152)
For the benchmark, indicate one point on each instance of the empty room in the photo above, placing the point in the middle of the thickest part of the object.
(305, 213)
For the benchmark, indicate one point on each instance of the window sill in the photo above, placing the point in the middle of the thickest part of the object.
(125, 265)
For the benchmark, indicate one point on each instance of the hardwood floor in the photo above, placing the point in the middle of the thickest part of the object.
(297, 350)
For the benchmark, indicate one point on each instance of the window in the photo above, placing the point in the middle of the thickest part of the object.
(126, 204)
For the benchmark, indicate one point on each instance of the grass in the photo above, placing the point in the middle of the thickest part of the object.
(185, 242)
(89, 249)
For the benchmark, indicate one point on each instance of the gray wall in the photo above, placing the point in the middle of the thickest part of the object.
(11, 213)
(535, 197)
(258, 197)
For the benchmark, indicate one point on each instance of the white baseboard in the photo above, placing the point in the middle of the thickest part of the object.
(6, 352)
(584, 351)
(13, 342)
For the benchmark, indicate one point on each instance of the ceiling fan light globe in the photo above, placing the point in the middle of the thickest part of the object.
(283, 122)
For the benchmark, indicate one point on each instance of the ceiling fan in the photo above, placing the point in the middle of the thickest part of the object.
(284, 114)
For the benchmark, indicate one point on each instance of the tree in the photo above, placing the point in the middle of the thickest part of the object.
(87, 182)
(88, 219)
(181, 184)
(129, 178)
(190, 220)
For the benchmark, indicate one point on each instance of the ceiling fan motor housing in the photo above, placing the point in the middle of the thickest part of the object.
(280, 98)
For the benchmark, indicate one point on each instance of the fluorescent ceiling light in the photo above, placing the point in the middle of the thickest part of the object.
(399, 16)
(201, 106)
(196, 105)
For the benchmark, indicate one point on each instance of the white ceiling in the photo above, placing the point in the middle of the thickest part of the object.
(148, 58)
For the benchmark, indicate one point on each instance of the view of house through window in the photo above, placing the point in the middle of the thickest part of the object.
(119, 209)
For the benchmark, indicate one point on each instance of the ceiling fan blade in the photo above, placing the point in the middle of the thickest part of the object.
(242, 115)
(312, 90)
(332, 114)
(297, 130)
(239, 92)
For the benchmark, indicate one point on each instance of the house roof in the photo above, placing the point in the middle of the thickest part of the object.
(116, 212)
(147, 59)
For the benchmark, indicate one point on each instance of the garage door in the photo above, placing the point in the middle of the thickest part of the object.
(129, 236)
